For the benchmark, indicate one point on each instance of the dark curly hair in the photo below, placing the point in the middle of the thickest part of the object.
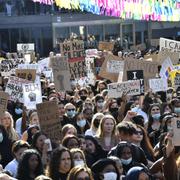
(23, 171)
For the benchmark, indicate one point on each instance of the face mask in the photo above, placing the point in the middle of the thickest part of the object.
(177, 110)
(83, 98)
(1, 137)
(18, 111)
(110, 176)
(113, 109)
(79, 162)
(81, 123)
(100, 104)
(71, 114)
(156, 116)
(126, 161)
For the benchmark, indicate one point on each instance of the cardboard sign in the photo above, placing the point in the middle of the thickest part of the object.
(61, 73)
(32, 95)
(72, 49)
(116, 90)
(177, 80)
(103, 71)
(175, 123)
(150, 69)
(98, 62)
(108, 46)
(29, 74)
(151, 57)
(174, 56)
(49, 120)
(30, 66)
(169, 45)
(114, 66)
(14, 88)
(137, 75)
(3, 102)
(158, 84)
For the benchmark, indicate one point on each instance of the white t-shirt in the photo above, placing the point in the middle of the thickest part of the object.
(12, 167)
(90, 132)
(18, 127)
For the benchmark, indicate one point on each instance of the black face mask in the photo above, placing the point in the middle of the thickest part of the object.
(113, 109)
(83, 98)
(96, 123)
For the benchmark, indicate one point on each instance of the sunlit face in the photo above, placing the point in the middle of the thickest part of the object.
(33, 162)
(61, 109)
(65, 162)
(6, 121)
(138, 135)
(34, 120)
(40, 142)
(155, 110)
(77, 156)
(70, 131)
(108, 126)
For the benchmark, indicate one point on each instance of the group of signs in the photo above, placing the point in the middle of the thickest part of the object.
(131, 76)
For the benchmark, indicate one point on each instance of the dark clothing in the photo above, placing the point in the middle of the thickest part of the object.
(137, 152)
(67, 120)
(82, 131)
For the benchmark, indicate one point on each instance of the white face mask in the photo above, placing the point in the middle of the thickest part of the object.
(110, 176)
(78, 162)
(126, 161)
(81, 123)
(1, 137)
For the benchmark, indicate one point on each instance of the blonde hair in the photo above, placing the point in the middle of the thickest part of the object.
(32, 116)
(100, 132)
(67, 127)
(10, 130)
(77, 150)
(93, 119)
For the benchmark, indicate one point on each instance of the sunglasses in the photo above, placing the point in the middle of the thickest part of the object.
(70, 109)
(138, 132)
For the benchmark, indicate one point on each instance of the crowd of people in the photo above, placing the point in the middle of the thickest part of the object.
(126, 138)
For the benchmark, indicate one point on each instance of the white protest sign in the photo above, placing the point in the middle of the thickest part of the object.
(30, 66)
(158, 84)
(32, 95)
(25, 47)
(91, 52)
(176, 131)
(116, 90)
(14, 88)
(44, 64)
(90, 70)
(114, 66)
(169, 45)
(3, 102)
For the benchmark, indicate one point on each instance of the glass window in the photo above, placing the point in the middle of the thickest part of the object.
(112, 31)
(4, 40)
(97, 31)
(15, 39)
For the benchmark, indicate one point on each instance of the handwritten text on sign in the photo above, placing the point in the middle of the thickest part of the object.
(14, 88)
(176, 131)
(114, 66)
(158, 84)
(3, 102)
(116, 90)
(170, 45)
(49, 119)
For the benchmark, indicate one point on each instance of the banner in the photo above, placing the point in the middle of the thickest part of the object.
(169, 45)
(174, 56)
(14, 88)
(61, 73)
(108, 46)
(158, 85)
(116, 90)
(25, 47)
(29, 74)
(32, 95)
(3, 102)
(48, 114)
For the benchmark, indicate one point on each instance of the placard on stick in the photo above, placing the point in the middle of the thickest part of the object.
(158, 84)
(29, 74)
(3, 102)
(175, 123)
(116, 90)
(108, 46)
(61, 73)
(49, 120)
